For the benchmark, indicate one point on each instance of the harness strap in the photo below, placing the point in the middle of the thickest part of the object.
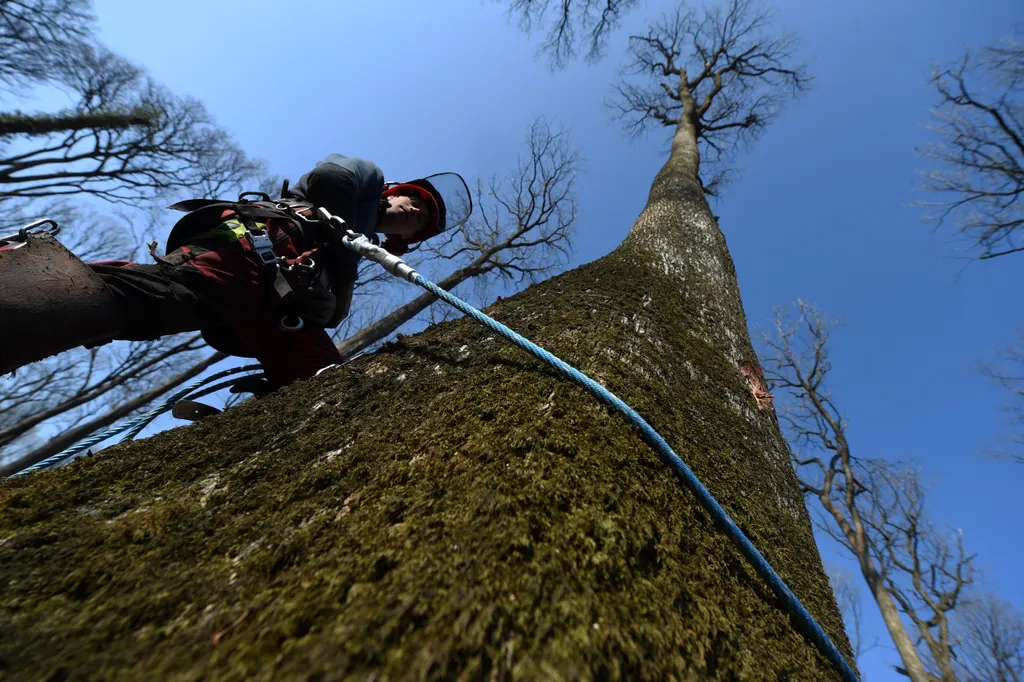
(293, 203)
(305, 227)
(264, 248)
(189, 205)
(278, 209)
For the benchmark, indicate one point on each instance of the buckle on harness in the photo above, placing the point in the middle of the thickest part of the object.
(263, 247)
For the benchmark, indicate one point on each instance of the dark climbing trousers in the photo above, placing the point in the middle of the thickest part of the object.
(220, 290)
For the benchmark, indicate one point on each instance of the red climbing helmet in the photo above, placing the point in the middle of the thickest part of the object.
(448, 197)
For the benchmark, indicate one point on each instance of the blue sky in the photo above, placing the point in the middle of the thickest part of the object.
(822, 210)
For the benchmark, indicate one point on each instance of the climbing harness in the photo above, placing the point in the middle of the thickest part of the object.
(805, 621)
(249, 221)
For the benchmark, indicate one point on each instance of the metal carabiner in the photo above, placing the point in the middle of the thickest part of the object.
(23, 233)
(263, 196)
(303, 272)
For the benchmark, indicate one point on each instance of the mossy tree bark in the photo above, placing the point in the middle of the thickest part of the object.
(448, 508)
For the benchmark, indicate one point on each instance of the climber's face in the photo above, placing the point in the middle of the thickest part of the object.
(406, 215)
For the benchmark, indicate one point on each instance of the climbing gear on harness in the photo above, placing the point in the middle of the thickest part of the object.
(303, 288)
(15, 241)
(449, 198)
(50, 301)
(806, 623)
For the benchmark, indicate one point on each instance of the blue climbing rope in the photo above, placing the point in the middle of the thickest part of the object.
(189, 396)
(805, 621)
(136, 425)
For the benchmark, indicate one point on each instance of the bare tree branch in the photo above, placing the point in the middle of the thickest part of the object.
(72, 436)
(848, 597)
(33, 33)
(180, 149)
(142, 360)
(978, 162)
(720, 71)
(17, 123)
(991, 640)
(522, 229)
(1007, 370)
(573, 25)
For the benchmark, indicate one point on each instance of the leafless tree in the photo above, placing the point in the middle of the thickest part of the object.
(33, 33)
(571, 26)
(978, 162)
(873, 508)
(848, 598)
(55, 389)
(521, 230)
(124, 139)
(84, 427)
(1007, 370)
(990, 640)
(38, 39)
(719, 71)
(181, 150)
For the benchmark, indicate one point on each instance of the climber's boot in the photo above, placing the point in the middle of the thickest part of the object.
(50, 301)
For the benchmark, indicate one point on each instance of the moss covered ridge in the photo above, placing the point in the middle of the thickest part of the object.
(448, 508)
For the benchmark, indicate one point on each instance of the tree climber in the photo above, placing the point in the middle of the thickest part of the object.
(258, 277)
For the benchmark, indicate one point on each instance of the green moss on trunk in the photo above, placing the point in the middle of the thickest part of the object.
(446, 509)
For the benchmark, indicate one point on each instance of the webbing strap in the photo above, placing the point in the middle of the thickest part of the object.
(264, 248)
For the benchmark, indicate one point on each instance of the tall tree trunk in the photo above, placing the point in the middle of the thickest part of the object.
(891, 616)
(448, 508)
